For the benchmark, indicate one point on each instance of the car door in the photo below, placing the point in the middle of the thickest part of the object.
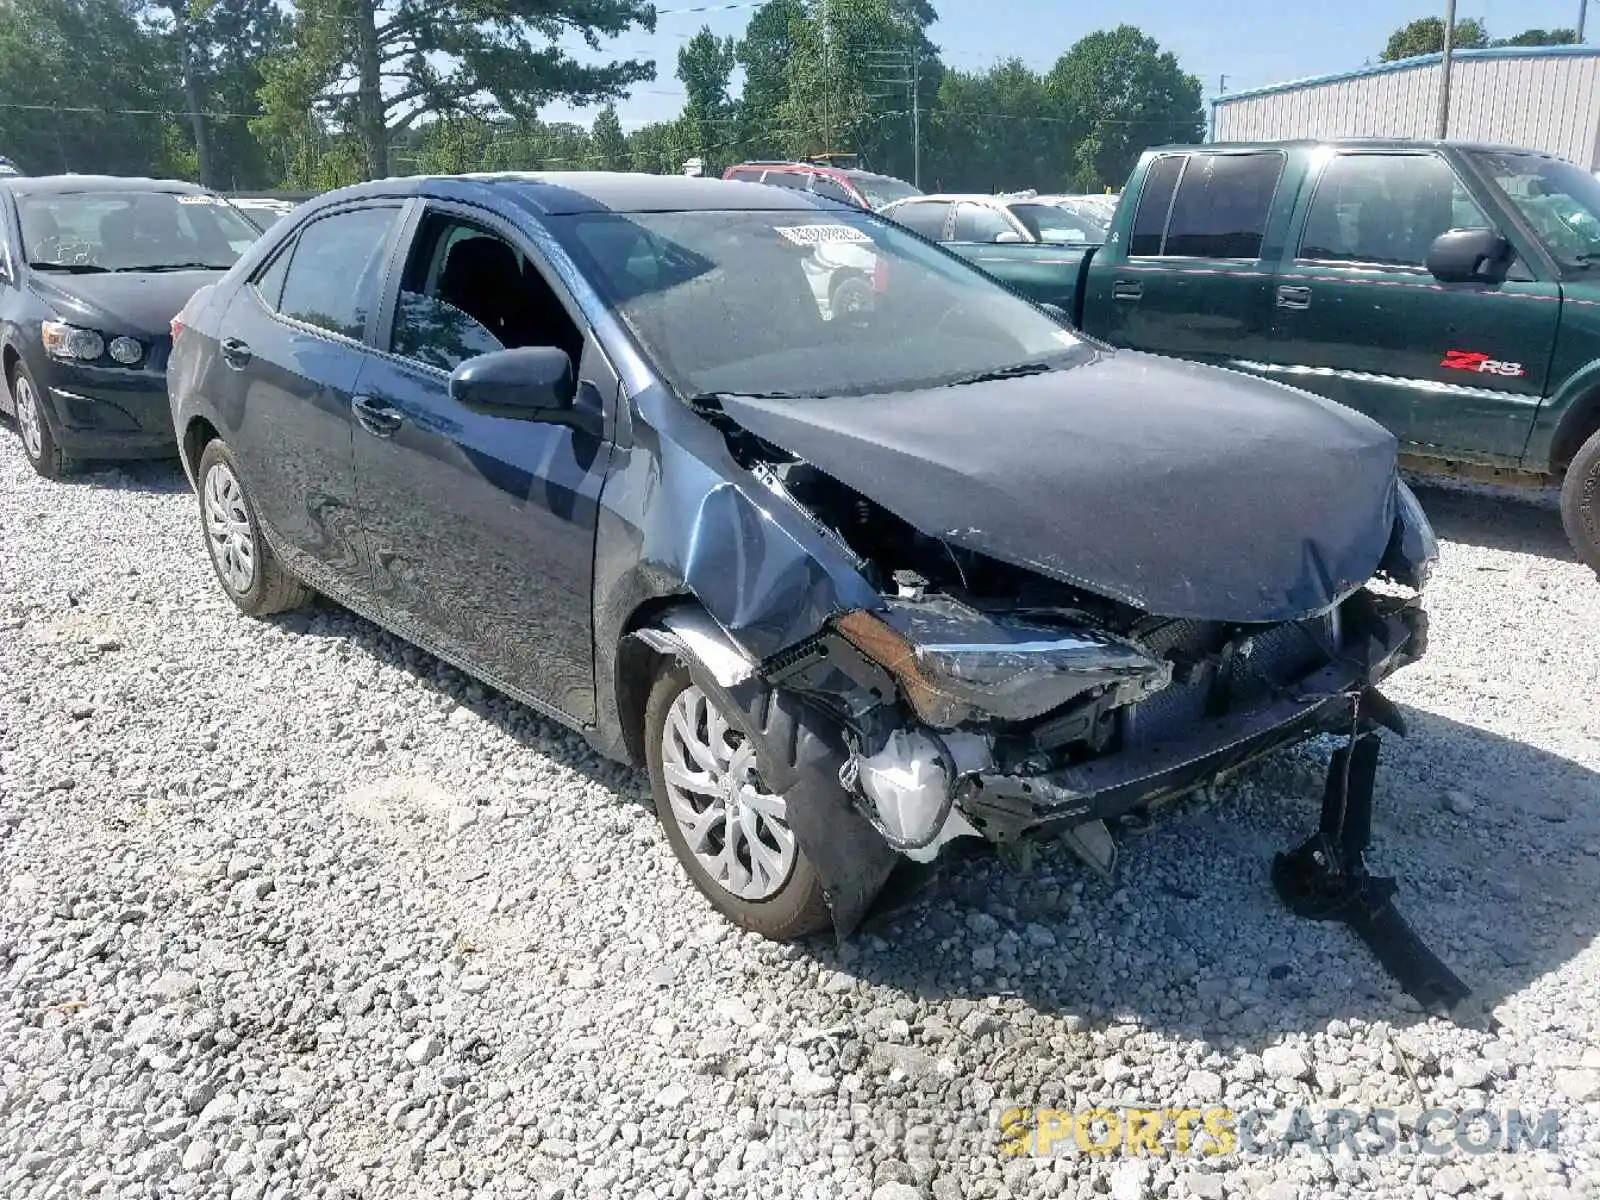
(1357, 316)
(1192, 281)
(482, 528)
(291, 349)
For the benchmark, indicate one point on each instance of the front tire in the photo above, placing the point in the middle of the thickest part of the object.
(1580, 502)
(33, 426)
(730, 833)
(245, 565)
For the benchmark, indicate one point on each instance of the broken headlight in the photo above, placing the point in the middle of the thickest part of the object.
(953, 663)
(1413, 550)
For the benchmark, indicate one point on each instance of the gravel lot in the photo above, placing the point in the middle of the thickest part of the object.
(290, 909)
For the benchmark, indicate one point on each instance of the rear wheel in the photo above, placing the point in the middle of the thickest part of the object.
(1580, 502)
(245, 565)
(38, 443)
(728, 830)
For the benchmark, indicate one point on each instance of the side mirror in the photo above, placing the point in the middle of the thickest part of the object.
(1009, 237)
(533, 383)
(1470, 256)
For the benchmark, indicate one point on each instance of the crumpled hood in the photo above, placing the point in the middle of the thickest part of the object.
(1186, 491)
(134, 303)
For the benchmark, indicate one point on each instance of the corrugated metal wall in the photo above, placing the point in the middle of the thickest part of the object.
(1541, 101)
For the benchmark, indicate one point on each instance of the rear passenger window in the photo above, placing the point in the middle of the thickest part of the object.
(1222, 206)
(745, 176)
(336, 270)
(270, 281)
(978, 223)
(926, 218)
(1155, 201)
(794, 180)
(832, 189)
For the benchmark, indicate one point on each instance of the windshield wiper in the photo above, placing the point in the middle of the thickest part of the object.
(1016, 372)
(70, 268)
(182, 266)
(712, 401)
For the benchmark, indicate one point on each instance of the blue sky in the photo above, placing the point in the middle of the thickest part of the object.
(1258, 42)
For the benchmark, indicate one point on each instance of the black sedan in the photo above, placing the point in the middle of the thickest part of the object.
(851, 585)
(92, 271)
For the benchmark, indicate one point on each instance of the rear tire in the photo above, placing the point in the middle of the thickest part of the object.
(33, 427)
(1580, 502)
(706, 791)
(245, 565)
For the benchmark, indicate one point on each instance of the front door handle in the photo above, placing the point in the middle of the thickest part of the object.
(1294, 297)
(235, 353)
(377, 417)
(1122, 289)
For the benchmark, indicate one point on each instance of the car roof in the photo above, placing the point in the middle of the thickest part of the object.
(34, 185)
(952, 197)
(1361, 144)
(560, 193)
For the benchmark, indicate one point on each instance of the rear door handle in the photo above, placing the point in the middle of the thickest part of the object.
(235, 353)
(377, 417)
(1294, 297)
(1122, 289)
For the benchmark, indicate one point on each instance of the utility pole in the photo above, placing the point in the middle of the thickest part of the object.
(1442, 125)
(1583, 12)
(916, 117)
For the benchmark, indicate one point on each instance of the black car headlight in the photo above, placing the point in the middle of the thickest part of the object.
(1413, 549)
(953, 663)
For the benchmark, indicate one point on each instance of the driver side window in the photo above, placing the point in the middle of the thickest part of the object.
(467, 291)
(1385, 209)
(978, 223)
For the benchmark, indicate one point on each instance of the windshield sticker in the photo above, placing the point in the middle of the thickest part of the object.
(186, 199)
(818, 235)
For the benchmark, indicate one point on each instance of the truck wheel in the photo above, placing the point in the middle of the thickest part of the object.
(245, 565)
(730, 833)
(1580, 502)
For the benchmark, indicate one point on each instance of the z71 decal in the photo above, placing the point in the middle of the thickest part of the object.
(1471, 360)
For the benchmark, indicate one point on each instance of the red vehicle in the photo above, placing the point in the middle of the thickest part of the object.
(864, 189)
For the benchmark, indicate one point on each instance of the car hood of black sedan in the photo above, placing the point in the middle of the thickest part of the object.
(138, 303)
(1186, 491)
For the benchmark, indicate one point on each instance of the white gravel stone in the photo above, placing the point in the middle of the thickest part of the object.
(249, 954)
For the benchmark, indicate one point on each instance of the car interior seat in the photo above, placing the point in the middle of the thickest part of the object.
(483, 278)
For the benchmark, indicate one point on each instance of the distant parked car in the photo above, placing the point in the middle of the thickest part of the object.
(264, 211)
(92, 271)
(7, 167)
(864, 189)
(995, 219)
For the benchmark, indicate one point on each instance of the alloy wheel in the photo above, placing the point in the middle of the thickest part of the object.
(28, 418)
(228, 534)
(736, 829)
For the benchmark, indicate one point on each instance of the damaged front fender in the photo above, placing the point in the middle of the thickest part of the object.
(800, 754)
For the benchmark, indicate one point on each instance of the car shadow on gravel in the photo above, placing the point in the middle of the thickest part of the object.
(1189, 939)
(1497, 519)
(158, 477)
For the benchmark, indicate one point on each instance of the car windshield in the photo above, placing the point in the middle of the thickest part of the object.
(802, 303)
(1559, 200)
(1053, 223)
(132, 231)
(882, 189)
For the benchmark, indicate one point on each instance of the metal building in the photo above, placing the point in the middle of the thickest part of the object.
(1545, 98)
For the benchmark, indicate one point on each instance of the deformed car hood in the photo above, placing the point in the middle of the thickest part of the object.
(1183, 490)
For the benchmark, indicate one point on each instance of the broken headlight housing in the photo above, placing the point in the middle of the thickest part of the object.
(953, 663)
(1413, 549)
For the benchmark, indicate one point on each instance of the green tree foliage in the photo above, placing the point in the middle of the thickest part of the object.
(377, 67)
(992, 130)
(1540, 37)
(705, 68)
(610, 146)
(83, 87)
(1426, 36)
(1117, 93)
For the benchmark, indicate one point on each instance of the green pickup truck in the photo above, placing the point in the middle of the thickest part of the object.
(1451, 292)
